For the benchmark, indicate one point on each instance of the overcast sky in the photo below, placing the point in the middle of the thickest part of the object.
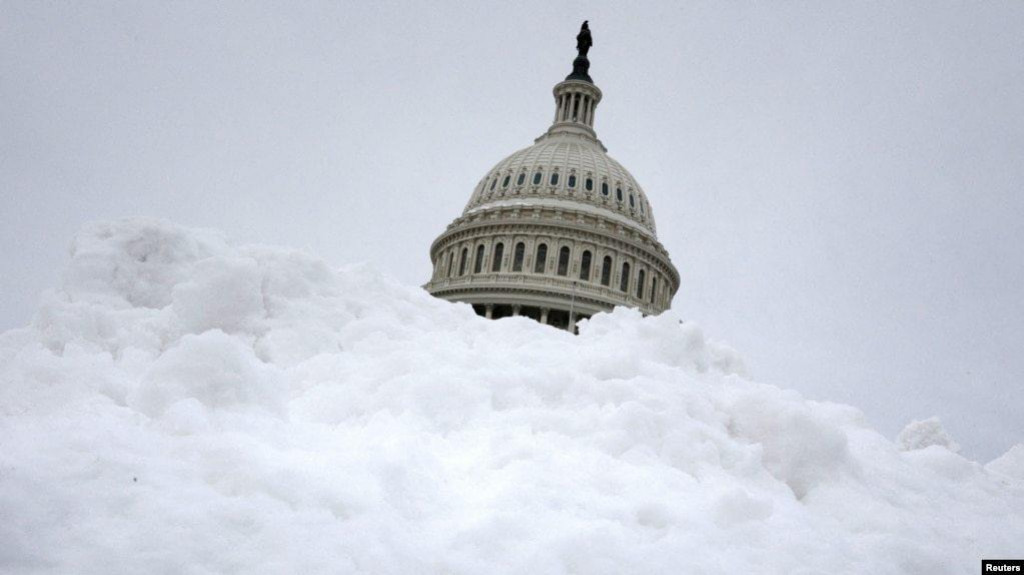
(839, 184)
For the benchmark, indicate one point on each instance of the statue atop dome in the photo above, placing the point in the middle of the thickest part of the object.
(583, 40)
(581, 66)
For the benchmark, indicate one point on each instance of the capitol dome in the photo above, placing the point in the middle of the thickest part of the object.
(557, 231)
(592, 178)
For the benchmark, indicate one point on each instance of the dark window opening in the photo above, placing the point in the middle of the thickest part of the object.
(504, 184)
(618, 194)
(499, 251)
(494, 182)
(632, 202)
(517, 258)
(542, 259)
(499, 311)
(585, 266)
(589, 184)
(462, 261)
(554, 178)
(536, 179)
(520, 179)
(572, 181)
(640, 284)
(563, 261)
(624, 281)
(606, 270)
(478, 263)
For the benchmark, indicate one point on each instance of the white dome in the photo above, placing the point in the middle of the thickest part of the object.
(613, 190)
(557, 231)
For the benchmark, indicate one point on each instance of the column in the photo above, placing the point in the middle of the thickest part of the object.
(544, 315)
(515, 310)
(489, 311)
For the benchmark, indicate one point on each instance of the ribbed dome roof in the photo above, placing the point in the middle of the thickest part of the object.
(576, 160)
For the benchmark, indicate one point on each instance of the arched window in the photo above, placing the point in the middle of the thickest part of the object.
(521, 179)
(554, 178)
(585, 266)
(640, 276)
(542, 259)
(606, 270)
(499, 251)
(537, 178)
(604, 188)
(494, 182)
(478, 263)
(618, 194)
(462, 261)
(589, 184)
(572, 181)
(624, 281)
(641, 207)
(563, 261)
(632, 202)
(654, 288)
(451, 262)
(504, 184)
(517, 257)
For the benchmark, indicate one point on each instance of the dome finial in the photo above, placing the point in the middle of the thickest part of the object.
(580, 66)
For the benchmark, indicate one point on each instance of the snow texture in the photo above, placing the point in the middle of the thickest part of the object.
(1010, 464)
(922, 434)
(184, 405)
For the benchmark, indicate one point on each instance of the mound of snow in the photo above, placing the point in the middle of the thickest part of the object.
(184, 405)
(1010, 464)
(926, 433)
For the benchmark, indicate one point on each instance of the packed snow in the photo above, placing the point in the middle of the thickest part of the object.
(921, 434)
(182, 404)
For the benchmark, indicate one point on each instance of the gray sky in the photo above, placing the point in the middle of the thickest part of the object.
(839, 184)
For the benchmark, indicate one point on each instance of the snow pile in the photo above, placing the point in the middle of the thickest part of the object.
(922, 434)
(1010, 464)
(183, 405)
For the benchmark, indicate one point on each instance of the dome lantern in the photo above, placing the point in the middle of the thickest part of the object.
(576, 97)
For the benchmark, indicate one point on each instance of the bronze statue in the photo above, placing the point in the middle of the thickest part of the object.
(583, 40)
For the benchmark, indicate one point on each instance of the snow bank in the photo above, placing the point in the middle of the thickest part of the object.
(1010, 464)
(184, 405)
(925, 433)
